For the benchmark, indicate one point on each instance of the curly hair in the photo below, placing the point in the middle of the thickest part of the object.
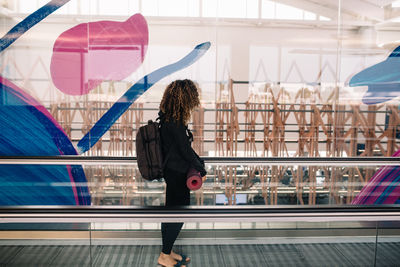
(179, 100)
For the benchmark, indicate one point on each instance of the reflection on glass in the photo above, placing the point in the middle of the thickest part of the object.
(269, 88)
(387, 246)
(225, 185)
(281, 243)
(245, 185)
(382, 80)
(77, 63)
(179, 8)
(118, 7)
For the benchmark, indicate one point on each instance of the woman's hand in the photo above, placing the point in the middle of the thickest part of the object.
(204, 178)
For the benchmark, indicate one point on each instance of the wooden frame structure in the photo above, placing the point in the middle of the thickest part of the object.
(276, 122)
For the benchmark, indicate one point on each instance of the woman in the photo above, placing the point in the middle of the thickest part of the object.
(179, 100)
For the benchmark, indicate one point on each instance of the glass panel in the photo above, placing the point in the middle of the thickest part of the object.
(270, 87)
(27, 6)
(388, 243)
(209, 8)
(118, 7)
(252, 8)
(232, 8)
(180, 8)
(288, 12)
(250, 242)
(44, 185)
(243, 243)
(150, 8)
(71, 8)
(324, 18)
(309, 16)
(88, 7)
(281, 89)
(268, 9)
(224, 185)
(45, 244)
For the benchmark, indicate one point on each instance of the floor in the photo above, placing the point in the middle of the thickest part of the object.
(241, 255)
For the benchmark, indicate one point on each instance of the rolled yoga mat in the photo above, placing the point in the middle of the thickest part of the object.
(194, 181)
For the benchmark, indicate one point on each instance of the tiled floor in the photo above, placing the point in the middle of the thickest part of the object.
(314, 254)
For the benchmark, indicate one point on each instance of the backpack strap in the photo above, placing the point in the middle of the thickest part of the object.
(144, 136)
(169, 151)
(190, 134)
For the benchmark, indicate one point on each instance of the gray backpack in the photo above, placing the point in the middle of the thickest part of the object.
(149, 151)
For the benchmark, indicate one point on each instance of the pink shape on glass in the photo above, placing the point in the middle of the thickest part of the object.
(90, 53)
(385, 179)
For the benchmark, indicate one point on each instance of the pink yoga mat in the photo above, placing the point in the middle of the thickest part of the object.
(194, 181)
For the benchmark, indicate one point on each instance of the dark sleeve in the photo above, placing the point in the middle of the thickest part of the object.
(198, 157)
(184, 147)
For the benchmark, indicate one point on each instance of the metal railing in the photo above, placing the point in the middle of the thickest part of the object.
(87, 214)
(230, 161)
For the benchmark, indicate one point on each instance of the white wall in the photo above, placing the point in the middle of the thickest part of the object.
(294, 56)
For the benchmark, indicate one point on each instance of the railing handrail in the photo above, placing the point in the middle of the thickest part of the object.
(27, 214)
(199, 209)
(116, 160)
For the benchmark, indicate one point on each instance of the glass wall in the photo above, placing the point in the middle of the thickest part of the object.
(277, 79)
(276, 241)
(226, 184)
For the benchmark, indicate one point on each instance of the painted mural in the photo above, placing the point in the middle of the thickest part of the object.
(112, 52)
(383, 82)
(382, 79)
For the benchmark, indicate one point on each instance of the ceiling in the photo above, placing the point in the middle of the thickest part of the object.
(371, 10)
(357, 13)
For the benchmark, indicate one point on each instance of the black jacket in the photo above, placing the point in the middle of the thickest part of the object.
(177, 149)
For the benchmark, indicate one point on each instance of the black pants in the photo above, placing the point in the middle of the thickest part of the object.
(177, 195)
